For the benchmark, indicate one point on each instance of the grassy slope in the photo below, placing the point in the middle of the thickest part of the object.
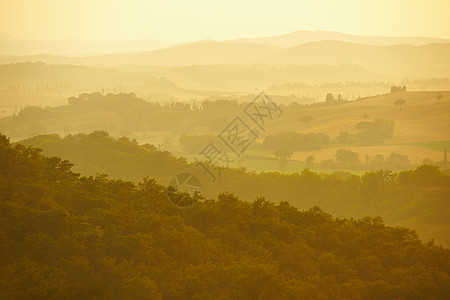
(421, 126)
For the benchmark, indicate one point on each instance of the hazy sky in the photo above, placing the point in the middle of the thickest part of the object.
(179, 21)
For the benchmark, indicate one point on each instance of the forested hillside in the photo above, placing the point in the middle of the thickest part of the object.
(418, 198)
(68, 236)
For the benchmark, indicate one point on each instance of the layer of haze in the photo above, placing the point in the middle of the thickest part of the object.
(181, 21)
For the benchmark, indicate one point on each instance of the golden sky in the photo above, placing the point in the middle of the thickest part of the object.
(180, 21)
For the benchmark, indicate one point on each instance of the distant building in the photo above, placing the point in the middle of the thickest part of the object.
(396, 89)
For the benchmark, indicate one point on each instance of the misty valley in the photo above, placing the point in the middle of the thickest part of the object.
(306, 165)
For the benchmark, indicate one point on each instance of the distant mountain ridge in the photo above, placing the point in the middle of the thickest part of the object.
(388, 56)
(399, 60)
(201, 53)
(302, 37)
(338, 52)
(14, 46)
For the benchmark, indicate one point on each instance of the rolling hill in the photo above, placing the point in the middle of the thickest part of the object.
(201, 53)
(400, 60)
(423, 118)
(14, 46)
(427, 60)
(302, 37)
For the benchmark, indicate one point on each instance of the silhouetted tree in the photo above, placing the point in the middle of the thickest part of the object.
(329, 98)
(310, 161)
(307, 120)
(400, 103)
(397, 161)
(283, 154)
(347, 159)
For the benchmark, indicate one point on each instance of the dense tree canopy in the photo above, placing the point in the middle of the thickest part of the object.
(67, 236)
(401, 198)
